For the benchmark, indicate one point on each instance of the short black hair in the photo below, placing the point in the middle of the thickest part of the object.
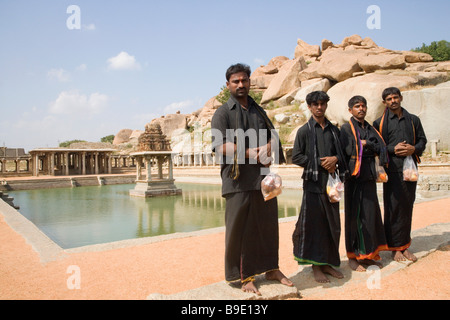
(316, 96)
(389, 91)
(355, 99)
(236, 68)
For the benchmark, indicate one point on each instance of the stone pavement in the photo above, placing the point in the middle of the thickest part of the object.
(49, 281)
(425, 240)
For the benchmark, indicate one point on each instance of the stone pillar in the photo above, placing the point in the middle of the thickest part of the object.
(148, 164)
(83, 163)
(109, 163)
(160, 166)
(170, 167)
(138, 169)
(66, 163)
(52, 164)
(96, 162)
(35, 164)
(434, 148)
(45, 164)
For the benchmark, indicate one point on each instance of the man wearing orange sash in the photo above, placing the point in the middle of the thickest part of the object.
(364, 231)
(404, 136)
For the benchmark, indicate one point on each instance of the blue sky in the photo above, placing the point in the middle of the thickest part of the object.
(132, 61)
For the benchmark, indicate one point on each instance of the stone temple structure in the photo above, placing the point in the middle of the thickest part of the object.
(154, 151)
(153, 139)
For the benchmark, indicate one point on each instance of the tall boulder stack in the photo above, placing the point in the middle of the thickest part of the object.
(285, 81)
(356, 66)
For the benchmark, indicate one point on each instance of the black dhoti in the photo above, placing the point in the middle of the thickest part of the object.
(251, 235)
(398, 198)
(317, 232)
(364, 231)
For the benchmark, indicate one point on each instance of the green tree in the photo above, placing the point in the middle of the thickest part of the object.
(108, 139)
(67, 143)
(224, 95)
(440, 51)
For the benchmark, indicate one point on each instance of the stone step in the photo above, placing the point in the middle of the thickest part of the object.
(9, 200)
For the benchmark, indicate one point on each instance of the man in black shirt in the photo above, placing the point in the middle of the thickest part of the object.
(317, 149)
(364, 231)
(242, 136)
(404, 136)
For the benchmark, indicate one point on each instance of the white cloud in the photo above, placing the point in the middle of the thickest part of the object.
(258, 61)
(58, 74)
(89, 27)
(72, 102)
(138, 121)
(123, 61)
(81, 67)
(179, 106)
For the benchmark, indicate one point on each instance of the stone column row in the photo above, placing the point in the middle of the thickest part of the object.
(82, 162)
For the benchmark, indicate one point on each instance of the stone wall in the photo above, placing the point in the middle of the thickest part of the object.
(67, 182)
(432, 106)
(434, 182)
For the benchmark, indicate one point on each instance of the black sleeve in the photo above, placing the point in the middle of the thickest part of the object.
(219, 126)
(346, 141)
(299, 151)
(421, 139)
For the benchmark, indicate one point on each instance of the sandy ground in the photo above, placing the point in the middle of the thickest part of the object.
(186, 263)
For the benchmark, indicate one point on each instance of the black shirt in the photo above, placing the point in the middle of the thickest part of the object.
(223, 126)
(367, 170)
(325, 148)
(397, 133)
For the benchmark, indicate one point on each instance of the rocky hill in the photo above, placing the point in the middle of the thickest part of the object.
(356, 66)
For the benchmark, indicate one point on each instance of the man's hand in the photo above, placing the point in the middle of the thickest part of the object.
(329, 163)
(264, 155)
(404, 149)
(252, 153)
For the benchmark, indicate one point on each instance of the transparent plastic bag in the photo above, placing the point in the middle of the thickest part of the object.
(410, 172)
(271, 186)
(335, 188)
(381, 173)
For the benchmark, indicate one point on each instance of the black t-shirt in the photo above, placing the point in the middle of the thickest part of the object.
(397, 128)
(223, 129)
(325, 148)
(367, 171)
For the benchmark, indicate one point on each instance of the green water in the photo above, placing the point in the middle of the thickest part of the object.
(74, 217)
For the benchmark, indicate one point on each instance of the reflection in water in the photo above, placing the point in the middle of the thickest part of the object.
(74, 217)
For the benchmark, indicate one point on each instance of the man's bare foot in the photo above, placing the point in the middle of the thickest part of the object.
(354, 265)
(408, 255)
(250, 287)
(369, 262)
(319, 276)
(279, 276)
(398, 256)
(332, 272)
